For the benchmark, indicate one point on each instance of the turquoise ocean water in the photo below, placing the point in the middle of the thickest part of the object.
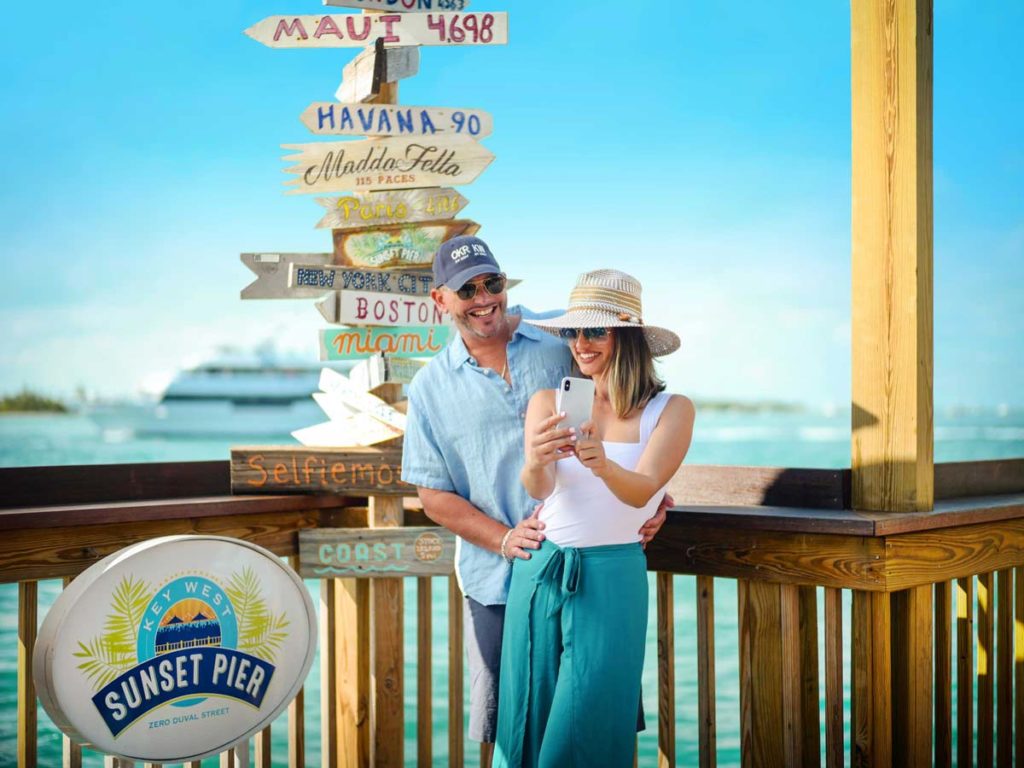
(800, 439)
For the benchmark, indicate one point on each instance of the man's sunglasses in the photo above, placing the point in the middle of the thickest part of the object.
(493, 285)
(590, 334)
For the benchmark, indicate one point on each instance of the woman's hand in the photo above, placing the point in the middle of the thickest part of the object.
(547, 443)
(590, 450)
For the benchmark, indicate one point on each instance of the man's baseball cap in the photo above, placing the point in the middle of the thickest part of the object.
(461, 259)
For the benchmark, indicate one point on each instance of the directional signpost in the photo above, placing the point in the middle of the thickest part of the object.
(356, 31)
(402, 207)
(394, 206)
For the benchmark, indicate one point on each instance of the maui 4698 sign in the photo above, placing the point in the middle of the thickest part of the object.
(358, 30)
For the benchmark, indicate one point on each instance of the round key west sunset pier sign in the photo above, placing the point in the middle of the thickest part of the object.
(175, 648)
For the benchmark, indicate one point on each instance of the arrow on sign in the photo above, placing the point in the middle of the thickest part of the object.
(404, 206)
(402, 245)
(350, 119)
(338, 385)
(395, 163)
(358, 429)
(272, 273)
(357, 343)
(363, 76)
(356, 30)
(402, 6)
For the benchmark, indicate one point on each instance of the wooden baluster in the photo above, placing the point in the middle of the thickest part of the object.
(871, 670)
(965, 671)
(1019, 666)
(71, 752)
(810, 689)
(912, 677)
(328, 679)
(297, 713)
(1004, 668)
(227, 759)
(833, 678)
(707, 739)
(263, 746)
(943, 674)
(666, 672)
(986, 624)
(456, 745)
(352, 671)
(28, 596)
(424, 679)
(761, 722)
(387, 650)
(194, 764)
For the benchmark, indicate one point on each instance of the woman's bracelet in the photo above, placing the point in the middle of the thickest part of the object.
(504, 543)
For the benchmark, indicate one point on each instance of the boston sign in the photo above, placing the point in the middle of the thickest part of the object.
(175, 648)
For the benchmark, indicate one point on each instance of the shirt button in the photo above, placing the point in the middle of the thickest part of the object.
(522, 415)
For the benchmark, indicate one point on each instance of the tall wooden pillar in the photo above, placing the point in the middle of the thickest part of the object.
(891, 76)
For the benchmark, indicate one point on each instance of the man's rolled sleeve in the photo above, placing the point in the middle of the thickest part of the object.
(422, 462)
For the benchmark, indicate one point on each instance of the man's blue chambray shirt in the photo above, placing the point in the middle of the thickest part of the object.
(464, 434)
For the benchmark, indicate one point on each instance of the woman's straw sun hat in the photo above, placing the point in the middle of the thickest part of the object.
(608, 298)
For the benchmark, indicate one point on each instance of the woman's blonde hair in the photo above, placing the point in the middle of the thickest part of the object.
(632, 380)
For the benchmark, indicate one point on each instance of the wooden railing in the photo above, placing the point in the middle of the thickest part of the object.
(781, 534)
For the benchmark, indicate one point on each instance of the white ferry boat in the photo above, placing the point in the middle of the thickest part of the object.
(233, 393)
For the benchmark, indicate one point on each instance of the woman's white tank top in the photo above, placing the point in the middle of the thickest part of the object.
(582, 512)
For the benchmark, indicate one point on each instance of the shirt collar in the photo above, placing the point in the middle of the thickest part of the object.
(458, 354)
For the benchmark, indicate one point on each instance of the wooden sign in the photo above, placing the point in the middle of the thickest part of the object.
(362, 77)
(402, 245)
(326, 553)
(356, 429)
(392, 163)
(401, 207)
(350, 119)
(334, 278)
(334, 383)
(381, 369)
(273, 270)
(357, 30)
(369, 308)
(288, 469)
(402, 6)
(356, 343)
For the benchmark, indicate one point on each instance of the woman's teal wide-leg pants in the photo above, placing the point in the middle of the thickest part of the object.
(572, 656)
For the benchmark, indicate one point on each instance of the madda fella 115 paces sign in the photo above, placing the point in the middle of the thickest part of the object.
(176, 648)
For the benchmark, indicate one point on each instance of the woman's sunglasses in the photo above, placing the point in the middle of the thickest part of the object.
(590, 334)
(493, 285)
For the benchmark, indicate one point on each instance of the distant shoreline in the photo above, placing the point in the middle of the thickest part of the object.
(28, 402)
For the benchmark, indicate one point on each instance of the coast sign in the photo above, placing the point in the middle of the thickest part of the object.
(357, 30)
(357, 343)
(391, 163)
(401, 207)
(351, 119)
(402, 245)
(175, 648)
(327, 553)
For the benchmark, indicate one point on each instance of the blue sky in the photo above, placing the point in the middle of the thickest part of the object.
(702, 146)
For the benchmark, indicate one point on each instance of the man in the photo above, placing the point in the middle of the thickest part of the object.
(463, 448)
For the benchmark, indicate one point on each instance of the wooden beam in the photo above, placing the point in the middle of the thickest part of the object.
(28, 600)
(456, 742)
(891, 78)
(761, 683)
(353, 671)
(296, 714)
(944, 674)
(666, 671)
(1004, 666)
(706, 736)
(424, 674)
(833, 678)
(964, 668)
(986, 667)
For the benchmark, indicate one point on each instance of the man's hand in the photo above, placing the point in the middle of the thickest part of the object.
(525, 536)
(650, 529)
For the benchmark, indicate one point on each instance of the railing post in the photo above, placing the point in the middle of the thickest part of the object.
(912, 677)
(28, 596)
(707, 740)
(871, 670)
(760, 647)
(666, 671)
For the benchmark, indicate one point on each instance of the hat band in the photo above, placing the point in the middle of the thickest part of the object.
(601, 298)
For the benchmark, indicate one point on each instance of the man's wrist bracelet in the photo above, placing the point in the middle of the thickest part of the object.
(504, 543)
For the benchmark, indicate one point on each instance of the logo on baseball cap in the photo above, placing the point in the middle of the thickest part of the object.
(461, 259)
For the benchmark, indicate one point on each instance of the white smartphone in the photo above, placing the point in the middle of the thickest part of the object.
(574, 397)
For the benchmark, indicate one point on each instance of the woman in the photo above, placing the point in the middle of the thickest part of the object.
(573, 646)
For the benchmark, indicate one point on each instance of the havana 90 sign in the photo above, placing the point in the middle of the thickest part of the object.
(175, 648)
